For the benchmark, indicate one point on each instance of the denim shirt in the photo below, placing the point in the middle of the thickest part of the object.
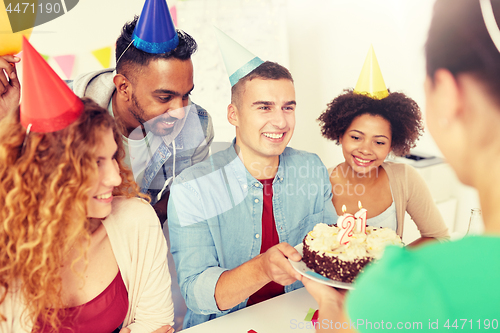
(191, 146)
(215, 219)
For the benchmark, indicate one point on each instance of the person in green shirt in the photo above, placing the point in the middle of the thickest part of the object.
(446, 286)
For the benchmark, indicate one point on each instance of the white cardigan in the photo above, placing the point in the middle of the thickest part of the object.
(141, 253)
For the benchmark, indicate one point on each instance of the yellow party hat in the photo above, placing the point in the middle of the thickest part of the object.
(370, 80)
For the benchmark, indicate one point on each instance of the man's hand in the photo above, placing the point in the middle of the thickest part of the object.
(276, 266)
(237, 284)
(10, 88)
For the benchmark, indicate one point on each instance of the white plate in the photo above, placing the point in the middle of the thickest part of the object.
(302, 268)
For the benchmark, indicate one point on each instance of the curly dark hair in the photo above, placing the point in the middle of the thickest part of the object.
(133, 56)
(399, 110)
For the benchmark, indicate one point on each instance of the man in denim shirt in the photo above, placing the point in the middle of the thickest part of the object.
(235, 218)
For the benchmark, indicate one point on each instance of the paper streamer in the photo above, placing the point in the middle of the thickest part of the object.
(314, 319)
(66, 62)
(173, 13)
(251, 331)
(103, 56)
(309, 315)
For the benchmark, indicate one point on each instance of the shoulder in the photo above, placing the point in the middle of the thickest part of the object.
(401, 172)
(424, 278)
(123, 204)
(469, 248)
(130, 212)
(132, 224)
(201, 112)
(198, 115)
(202, 116)
(301, 157)
(395, 168)
(336, 174)
(400, 169)
(400, 280)
(208, 168)
(82, 81)
(97, 85)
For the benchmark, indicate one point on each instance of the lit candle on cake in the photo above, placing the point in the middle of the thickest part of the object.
(360, 219)
(346, 224)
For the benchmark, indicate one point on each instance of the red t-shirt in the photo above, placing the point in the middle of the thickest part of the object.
(269, 238)
(103, 314)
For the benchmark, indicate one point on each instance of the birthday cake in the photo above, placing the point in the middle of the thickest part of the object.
(328, 254)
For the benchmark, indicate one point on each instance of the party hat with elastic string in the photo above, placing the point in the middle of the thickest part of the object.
(155, 31)
(48, 104)
(238, 60)
(371, 82)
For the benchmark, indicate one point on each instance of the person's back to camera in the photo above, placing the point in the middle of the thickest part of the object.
(454, 284)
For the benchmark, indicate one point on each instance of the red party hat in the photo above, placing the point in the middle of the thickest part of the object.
(48, 104)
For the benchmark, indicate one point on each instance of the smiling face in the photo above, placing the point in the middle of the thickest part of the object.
(264, 118)
(159, 94)
(366, 142)
(100, 196)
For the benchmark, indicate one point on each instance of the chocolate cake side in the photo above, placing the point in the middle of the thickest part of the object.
(332, 267)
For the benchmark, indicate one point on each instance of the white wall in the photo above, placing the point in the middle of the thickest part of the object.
(329, 41)
(323, 43)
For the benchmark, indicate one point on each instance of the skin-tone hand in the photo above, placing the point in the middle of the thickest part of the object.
(276, 265)
(323, 293)
(10, 88)
(421, 240)
(235, 285)
(331, 306)
(164, 329)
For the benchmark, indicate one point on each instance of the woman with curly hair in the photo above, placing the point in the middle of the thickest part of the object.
(369, 129)
(80, 250)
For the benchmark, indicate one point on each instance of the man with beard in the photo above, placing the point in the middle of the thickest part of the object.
(148, 95)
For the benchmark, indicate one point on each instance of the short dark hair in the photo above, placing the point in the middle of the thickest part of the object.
(459, 42)
(268, 70)
(133, 56)
(399, 110)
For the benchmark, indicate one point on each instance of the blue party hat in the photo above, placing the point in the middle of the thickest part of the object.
(155, 31)
(238, 60)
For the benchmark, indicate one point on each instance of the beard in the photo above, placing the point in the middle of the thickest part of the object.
(156, 124)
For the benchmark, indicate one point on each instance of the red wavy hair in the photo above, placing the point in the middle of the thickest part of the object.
(44, 188)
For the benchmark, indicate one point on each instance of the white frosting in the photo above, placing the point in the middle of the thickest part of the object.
(323, 239)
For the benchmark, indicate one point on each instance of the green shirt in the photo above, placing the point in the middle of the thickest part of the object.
(438, 287)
